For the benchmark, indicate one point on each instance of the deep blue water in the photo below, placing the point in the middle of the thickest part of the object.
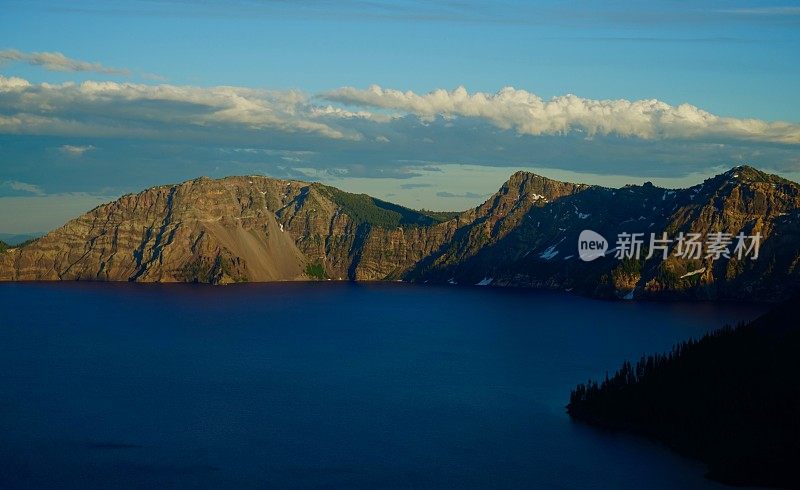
(323, 385)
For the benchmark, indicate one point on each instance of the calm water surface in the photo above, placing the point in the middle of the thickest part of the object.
(323, 385)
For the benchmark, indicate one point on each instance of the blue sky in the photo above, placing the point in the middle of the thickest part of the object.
(301, 105)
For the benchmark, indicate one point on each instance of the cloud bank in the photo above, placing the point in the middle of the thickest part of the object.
(131, 135)
(110, 109)
(130, 109)
(529, 114)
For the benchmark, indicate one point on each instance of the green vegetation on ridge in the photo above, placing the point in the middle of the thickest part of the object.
(316, 271)
(4, 247)
(367, 209)
(28, 242)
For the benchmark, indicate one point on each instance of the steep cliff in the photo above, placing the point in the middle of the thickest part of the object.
(202, 230)
(231, 230)
(491, 222)
(541, 250)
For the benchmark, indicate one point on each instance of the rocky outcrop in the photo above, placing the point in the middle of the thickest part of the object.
(229, 230)
(541, 250)
(261, 229)
(491, 222)
(202, 230)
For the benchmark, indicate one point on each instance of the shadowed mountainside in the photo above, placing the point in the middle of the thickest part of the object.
(256, 228)
(541, 249)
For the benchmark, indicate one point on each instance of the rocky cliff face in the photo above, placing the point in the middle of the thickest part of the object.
(541, 249)
(262, 229)
(230, 230)
(489, 223)
(202, 230)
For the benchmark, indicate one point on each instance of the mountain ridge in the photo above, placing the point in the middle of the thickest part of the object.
(257, 228)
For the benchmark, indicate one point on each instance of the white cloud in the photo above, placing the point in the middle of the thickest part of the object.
(108, 109)
(238, 130)
(9, 84)
(527, 113)
(131, 109)
(75, 151)
(56, 61)
(338, 112)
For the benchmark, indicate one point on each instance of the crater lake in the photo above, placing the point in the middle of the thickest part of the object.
(325, 384)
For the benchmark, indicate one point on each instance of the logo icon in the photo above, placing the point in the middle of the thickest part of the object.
(591, 245)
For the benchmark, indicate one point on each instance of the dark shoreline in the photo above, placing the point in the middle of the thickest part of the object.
(730, 400)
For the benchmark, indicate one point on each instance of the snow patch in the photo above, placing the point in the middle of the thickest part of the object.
(579, 214)
(485, 281)
(694, 272)
(278, 221)
(551, 251)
